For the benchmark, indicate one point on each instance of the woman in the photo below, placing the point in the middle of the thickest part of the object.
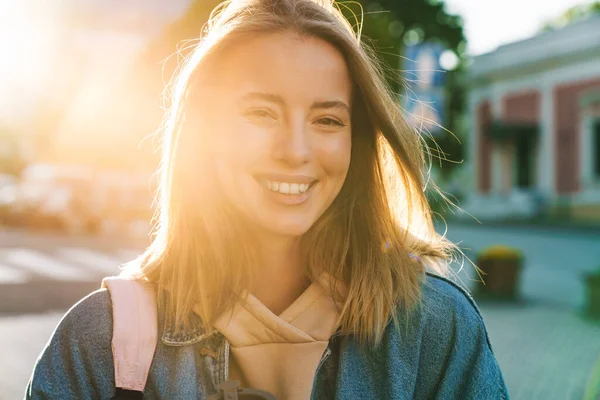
(291, 218)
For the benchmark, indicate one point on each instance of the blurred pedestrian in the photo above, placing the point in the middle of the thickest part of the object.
(294, 236)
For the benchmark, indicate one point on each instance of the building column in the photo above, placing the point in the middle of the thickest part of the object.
(483, 149)
(545, 150)
(497, 172)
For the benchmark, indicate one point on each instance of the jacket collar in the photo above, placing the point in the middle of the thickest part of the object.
(192, 334)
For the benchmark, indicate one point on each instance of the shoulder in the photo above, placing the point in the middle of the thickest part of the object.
(438, 349)
(438, 291)
(450, 340)
(444, 319)
(77, 360)
(443, 299)
(447, 311)
(85, 331)
(90, 318)
(455, 343)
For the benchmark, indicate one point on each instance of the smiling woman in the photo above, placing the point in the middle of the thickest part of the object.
(293, 237)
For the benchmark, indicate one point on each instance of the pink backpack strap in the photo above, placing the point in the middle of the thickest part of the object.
(135, 331)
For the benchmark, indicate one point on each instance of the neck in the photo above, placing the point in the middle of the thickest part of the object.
(281, 276)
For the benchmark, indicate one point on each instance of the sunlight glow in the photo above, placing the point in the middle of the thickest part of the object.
(28, 41)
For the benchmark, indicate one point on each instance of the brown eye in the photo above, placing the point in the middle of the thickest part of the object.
(327, 121)
(259, 113)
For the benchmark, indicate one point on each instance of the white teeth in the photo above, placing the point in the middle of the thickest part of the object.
(287, 188)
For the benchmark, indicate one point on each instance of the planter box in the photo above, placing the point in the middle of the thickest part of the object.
(592, 283)
(501, 278)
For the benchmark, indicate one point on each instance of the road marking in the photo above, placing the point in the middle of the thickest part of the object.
(94, 260)
(45, 265)
(10, 275)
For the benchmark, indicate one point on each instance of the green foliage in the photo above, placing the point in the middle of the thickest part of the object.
(592, 391)
(389, 24)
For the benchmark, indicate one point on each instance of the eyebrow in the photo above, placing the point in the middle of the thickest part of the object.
(330, 104)
(273, 98)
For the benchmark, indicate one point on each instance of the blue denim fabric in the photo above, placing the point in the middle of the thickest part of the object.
(441, 352)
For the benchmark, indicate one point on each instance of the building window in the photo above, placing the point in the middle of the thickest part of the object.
(596, 148)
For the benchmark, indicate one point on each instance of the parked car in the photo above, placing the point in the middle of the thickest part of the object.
(57, 198)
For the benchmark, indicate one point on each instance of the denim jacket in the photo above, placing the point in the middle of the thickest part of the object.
(441, 351)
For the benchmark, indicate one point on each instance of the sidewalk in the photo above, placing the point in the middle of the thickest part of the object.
(545, 353)
(545, 347)
(23, 338)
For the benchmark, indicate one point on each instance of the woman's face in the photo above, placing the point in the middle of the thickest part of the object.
(279, 115)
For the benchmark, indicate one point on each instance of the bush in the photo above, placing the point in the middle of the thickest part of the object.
(592, 282)
(500, 252)
(592, 391)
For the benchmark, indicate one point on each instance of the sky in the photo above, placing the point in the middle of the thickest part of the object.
(490, 23)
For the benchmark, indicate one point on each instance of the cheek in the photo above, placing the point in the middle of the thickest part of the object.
(334, 156)
(240, 144)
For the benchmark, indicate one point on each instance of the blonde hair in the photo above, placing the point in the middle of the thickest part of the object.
(369, 237)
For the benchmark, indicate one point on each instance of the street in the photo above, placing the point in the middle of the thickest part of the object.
(41, 272)
(41, 276)
(555, 260)
(545, 347)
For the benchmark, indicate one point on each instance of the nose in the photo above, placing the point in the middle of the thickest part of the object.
(292, 145)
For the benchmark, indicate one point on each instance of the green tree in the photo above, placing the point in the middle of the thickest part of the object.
(391, 23)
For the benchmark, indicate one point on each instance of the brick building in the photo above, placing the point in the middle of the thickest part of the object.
(534, 110)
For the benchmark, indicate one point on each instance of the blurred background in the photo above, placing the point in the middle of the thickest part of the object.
(506, 95)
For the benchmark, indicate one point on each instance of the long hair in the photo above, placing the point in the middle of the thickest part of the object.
(368, 238)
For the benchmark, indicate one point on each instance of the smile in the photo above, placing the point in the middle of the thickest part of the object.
(286, 187)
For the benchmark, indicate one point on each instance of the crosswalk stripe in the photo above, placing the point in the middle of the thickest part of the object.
(94, 260)
(42, 264)
(10, 275)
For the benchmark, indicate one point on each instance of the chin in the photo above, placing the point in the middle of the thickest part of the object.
(289, 228)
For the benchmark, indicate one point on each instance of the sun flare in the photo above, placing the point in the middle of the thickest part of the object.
(28, 43)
